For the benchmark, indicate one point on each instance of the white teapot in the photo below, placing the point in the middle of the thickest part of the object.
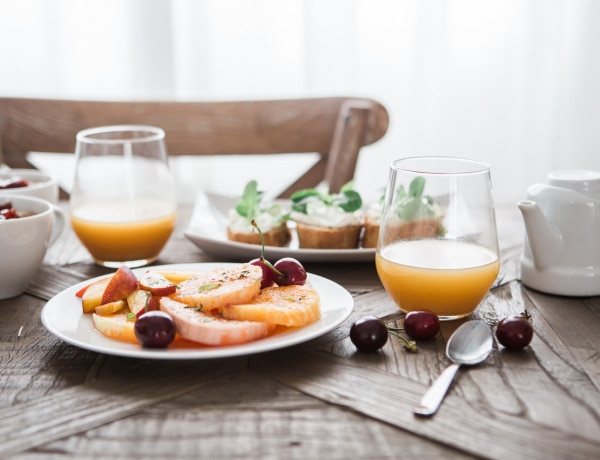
(562, 224)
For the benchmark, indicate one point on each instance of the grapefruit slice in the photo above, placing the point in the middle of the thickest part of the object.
(194, 324)
(220, 287)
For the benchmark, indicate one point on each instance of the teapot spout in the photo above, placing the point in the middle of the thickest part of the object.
(544, 240)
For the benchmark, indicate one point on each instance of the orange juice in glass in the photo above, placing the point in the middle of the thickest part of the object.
(123, 204)
(437, 247)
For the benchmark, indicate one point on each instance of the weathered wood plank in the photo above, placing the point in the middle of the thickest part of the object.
(250, 417)
(83, 407)
(321, 398)
(468, 425)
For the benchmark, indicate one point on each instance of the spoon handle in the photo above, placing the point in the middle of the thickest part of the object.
(433, 397)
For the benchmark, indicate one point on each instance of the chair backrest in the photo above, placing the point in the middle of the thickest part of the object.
(334, 127)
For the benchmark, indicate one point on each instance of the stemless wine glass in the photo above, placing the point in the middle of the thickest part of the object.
(438, 244)
(123, 202)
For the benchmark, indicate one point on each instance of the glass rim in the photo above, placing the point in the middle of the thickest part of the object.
(152, 133)
(432, 165)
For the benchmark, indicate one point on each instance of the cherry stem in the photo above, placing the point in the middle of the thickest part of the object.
(262, 239)
(262, 251)
(410, 345)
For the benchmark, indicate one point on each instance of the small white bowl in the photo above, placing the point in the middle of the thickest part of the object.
(24, 241)
(40, 185)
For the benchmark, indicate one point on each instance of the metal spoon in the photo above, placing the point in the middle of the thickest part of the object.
(470, 344)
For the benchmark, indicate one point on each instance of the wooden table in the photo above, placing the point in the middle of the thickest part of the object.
(321, 399)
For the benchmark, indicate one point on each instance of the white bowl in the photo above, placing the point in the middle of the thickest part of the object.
(24, 241)
(40, 185)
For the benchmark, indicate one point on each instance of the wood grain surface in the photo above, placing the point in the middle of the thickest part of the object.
(319, 399)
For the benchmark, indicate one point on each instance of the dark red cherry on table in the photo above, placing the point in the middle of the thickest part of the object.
(514, 332)
(292, 272)
(369, 333)
(421, 325)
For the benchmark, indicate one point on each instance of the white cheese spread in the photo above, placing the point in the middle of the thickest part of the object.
(266, 221)
(318, 214)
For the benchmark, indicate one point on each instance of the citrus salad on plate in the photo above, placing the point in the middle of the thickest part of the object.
(223, 306)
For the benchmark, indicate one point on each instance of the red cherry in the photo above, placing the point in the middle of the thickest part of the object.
(292, 272)
(421, 325)
(155, 329)
(368, 333)
(268, 275)
(514, 332)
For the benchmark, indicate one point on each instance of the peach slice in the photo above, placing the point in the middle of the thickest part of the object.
(177, 277)
(157, 284)
(140, 301)
(111, 307)
(121, 284)
(92, 297)
(116, 326)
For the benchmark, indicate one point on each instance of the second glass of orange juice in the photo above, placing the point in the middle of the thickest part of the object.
(123, 203)
(438, 244)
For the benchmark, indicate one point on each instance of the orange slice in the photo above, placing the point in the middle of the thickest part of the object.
(285, 305)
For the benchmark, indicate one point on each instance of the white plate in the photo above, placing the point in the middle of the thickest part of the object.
(208, 231)
(63, 317)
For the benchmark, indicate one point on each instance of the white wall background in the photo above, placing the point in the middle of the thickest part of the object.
(515, 83)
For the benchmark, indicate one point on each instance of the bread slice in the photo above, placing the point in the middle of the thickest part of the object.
(371, 234)
(279, 236)
(312, 237)
(419, 228)
(295, 305)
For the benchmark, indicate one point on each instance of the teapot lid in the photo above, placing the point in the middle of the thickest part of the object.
(579, 180)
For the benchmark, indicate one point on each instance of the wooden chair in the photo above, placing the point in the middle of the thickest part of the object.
(334, 127)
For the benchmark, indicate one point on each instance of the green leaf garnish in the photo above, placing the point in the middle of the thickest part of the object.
(347, 199)
(148, 297)
(130, 316)
(250, 204)
(413, 205)
(416, 187)
(208, 287)
(250, 200)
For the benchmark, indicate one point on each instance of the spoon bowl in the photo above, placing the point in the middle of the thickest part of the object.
(470, 344)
